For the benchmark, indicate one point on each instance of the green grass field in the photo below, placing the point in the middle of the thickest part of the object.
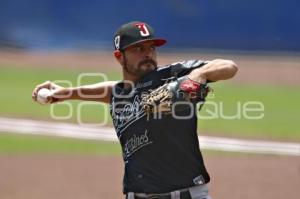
(280, 115)
(280, 104)
(33, 144)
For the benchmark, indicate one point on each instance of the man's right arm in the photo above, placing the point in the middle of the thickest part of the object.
(100, 92)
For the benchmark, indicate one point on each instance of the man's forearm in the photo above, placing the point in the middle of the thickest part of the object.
(94, 92)
(215, 70)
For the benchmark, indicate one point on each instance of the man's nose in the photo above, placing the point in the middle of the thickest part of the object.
(148, 54)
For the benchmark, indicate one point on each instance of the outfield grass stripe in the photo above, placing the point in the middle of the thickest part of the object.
(108, 134)
(228, 99)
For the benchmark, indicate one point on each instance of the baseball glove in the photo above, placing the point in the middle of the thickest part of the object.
(174, 95)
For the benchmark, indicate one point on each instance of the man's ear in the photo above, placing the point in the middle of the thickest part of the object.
(118, 55)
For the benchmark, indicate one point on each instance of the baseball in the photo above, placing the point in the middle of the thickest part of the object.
(42, 96)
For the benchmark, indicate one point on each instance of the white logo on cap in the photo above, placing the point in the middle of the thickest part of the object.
(143, 29)
(117, 42)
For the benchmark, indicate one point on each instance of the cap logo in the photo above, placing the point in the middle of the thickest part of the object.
(117, 42)
(143, 29)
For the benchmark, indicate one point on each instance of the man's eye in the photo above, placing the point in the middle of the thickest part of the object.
(139, 48)
(152, 47)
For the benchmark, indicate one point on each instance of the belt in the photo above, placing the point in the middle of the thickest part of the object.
(182, 194)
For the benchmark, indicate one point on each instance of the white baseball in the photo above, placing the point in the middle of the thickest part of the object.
(42, 96)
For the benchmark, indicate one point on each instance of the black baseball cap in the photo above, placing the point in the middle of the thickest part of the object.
(133, 33)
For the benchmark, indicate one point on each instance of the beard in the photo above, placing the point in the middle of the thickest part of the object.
(143, 68)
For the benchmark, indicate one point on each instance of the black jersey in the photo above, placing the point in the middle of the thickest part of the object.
(161, 152)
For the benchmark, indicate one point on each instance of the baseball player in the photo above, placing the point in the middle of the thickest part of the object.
(154, 114)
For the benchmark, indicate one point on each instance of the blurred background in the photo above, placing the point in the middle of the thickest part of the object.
(61, 40)
(233, 25)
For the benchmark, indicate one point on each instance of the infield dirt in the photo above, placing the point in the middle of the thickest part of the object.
(253, 69)
(94, 177)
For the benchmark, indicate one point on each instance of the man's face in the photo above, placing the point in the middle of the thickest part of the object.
(140, 59)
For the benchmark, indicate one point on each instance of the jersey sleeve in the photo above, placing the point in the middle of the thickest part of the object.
(182, 68)
(185, 67)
